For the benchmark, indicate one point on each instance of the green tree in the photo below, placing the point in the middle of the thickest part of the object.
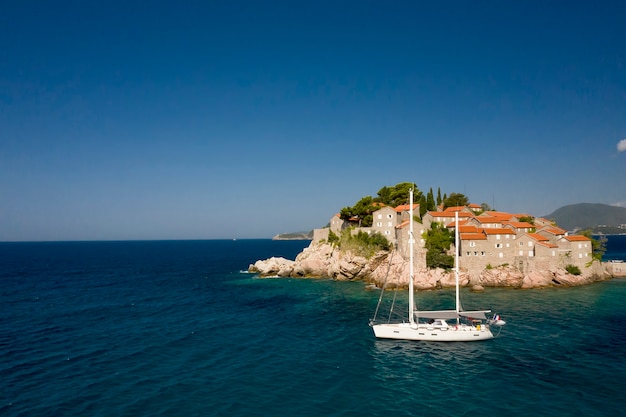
(455, 200)
(430, 201)
(423, 205)
(398, 194)
(362, 210)
(438, 241)
(439, 199)
(527, 219)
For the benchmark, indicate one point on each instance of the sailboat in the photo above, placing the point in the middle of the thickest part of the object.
(455, 325)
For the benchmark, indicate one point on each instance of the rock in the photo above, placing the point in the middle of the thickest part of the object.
(280, 267)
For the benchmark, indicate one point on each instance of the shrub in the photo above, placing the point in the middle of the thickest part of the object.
(573, 269)
(333, 239)
(362, 243)
(435, 259)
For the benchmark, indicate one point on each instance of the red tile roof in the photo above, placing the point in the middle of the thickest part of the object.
(553, 230)
(519, 225)
(499, 231)
(576, 238)
(453, 209)
(547, 244)
(501, 215)
(488, 219)
(538, 237)
(450, 214)
(467, 228)
(472, 236)
(406, 207)
(403, 224)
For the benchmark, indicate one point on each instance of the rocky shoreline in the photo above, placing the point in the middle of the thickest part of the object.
(322, 260)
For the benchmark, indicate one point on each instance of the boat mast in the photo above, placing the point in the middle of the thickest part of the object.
(411, 298)
(456, 262)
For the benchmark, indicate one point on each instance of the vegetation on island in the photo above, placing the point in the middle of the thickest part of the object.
(438, 241)
(573, 269)
(360, 243)
(394, 196)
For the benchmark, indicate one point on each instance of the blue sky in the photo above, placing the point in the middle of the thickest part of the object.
(194, 120)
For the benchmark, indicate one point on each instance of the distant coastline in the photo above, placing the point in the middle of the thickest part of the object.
(294, 236)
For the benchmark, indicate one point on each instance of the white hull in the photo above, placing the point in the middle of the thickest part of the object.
(405, 331)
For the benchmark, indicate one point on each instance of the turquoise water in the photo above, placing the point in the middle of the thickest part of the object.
(174, 328)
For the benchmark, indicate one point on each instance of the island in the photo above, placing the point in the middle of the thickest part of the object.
(370, 242)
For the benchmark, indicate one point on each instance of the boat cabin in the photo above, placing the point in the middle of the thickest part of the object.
(438, 323)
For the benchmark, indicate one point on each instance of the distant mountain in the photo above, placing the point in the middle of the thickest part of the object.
(601, 218)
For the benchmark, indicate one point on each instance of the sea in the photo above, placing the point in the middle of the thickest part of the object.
(179, 328)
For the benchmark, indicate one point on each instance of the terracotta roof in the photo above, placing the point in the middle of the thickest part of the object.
(406, 207)
(499, 215)
(467, 228)
(456, 208)
(499, 231)
(576, 238)
(472, 236)
(519, 225)
(403, 224)
(463, 221)
(547, 244)
(488, 219)
(450, 214)
(538, 237)
(553, 230)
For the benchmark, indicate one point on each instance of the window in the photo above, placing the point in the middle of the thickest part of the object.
(389, 224)
(497, 237)
(482, 253)
(472, 244)
(501, 255)
(389, 216)
(379, 224)
(498, 245)
(521, 243)
(380, 216)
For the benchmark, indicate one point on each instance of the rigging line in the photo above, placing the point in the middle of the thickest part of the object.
(393, 303)
(382, 291)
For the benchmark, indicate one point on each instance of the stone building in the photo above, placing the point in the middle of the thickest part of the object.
(488, 239)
